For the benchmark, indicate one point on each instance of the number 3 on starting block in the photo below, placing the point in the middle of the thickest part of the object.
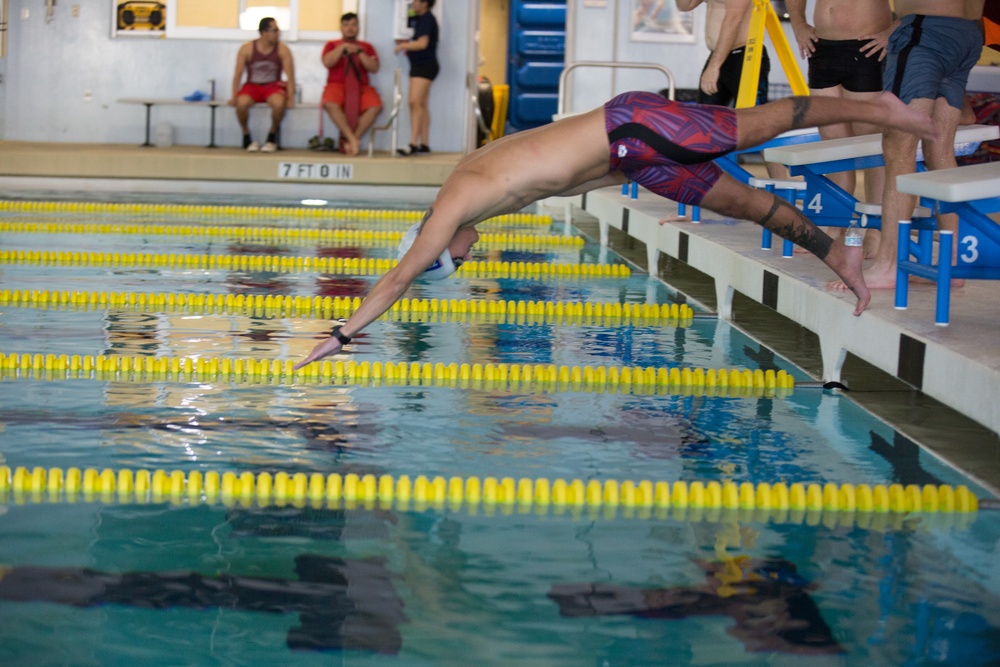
(974, 249)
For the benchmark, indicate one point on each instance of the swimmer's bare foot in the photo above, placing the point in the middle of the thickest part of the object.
(904, 117)
(675, 218)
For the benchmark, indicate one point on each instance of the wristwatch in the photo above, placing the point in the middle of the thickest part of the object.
(344, 339)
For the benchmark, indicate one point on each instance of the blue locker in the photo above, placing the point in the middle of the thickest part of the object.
(535, 58)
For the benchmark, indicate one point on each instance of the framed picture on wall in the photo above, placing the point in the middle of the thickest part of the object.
(138, 18)
(661, 21)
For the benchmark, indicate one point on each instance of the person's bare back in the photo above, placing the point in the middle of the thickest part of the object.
(506, 175)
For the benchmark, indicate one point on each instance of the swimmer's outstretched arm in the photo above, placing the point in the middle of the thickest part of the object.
(427, 247)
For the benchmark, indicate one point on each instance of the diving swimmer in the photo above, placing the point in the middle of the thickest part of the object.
(665, 146)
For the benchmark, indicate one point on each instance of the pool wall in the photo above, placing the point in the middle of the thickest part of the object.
(956, 365)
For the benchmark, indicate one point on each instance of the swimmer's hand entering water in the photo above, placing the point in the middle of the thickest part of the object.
(329, 346)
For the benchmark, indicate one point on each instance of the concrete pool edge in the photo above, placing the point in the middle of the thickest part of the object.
(959, 374)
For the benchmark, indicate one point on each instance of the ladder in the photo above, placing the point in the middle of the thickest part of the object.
(763, 17)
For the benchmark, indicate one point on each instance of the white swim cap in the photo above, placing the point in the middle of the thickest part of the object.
(442, 267)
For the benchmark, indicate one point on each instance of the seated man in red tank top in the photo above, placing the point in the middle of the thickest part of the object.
(263, 60)
(350, 57)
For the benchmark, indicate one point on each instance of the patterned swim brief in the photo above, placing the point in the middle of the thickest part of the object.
(668, 147)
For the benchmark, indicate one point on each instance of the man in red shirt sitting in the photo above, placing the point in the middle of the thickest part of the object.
(350, 57)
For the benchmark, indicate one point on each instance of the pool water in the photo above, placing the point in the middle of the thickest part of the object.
(190, 582)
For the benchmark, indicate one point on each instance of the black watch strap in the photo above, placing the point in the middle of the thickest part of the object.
(344, 339)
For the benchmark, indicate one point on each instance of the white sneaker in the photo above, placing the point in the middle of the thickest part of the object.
(253, 147)
(269, 147)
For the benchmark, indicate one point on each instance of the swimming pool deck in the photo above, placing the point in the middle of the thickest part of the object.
(225, 170)
(958, 365)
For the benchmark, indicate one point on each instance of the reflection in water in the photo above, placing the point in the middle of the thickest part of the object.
(904, 456)
(324, 524)
(259, 282)
(320, 435)
(341, 604)
(767, 599)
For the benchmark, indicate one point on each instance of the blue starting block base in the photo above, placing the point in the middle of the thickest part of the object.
(972, 193)
(730, 164)
(828, 205)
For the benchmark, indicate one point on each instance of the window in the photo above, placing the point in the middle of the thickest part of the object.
(238, 19)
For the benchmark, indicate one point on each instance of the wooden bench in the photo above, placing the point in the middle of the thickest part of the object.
(211, 105)
(972, 192)
(829, 205)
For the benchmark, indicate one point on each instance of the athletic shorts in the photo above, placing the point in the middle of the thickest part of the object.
(259, 92)
(729, 79)
(840, 62)
(931, 57)
(428, 70)
(334, 92)
(668, 147)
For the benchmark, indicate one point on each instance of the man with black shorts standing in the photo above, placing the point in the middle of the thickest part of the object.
(845, 47)
(727, 23)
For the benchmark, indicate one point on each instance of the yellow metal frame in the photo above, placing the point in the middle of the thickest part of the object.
(764, 17)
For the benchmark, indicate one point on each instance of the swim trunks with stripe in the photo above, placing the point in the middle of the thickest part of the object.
(668, 147)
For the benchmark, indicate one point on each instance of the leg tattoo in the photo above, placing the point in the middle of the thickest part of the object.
(796, 228)
(800, 105)
(770, 214)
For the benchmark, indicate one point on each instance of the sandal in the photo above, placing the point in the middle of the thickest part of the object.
(408, 151)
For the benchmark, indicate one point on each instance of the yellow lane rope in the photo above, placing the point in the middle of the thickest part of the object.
(264, 488)
(546, 377)
(283, 264)
(327, 307)
(223, 211)
(354, 237)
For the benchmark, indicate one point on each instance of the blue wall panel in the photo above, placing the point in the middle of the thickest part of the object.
(535, 58)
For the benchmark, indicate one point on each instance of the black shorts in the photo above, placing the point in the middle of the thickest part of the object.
(729, 80)
(428, 70)
(840, 62)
